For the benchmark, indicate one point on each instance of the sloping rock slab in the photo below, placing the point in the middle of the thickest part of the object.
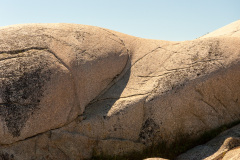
(225, 146)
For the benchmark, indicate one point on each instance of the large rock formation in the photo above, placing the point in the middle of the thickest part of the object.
(68, 91)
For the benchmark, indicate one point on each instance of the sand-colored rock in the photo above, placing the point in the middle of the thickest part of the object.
(223, 147)
(232, 30)
(234, 154)
(84, 90)
(50, 72)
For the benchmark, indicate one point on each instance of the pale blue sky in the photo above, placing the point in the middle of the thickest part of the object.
(155, 19)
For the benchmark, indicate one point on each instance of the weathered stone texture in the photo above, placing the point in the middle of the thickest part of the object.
(68, 91)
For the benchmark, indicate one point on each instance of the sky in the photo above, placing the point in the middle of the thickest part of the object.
(174, 20)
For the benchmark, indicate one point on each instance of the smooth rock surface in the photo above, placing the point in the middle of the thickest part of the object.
(69, 91)
(232, 30)
(49, 72)
(225, 146)
(234, 154)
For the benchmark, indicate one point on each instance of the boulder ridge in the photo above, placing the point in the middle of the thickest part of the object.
(69, 91)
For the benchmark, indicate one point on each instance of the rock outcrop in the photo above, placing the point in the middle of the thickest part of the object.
(69, 91)
(223, 147)
(232, 30)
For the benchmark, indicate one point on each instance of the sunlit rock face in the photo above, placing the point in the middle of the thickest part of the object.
(68, 91)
